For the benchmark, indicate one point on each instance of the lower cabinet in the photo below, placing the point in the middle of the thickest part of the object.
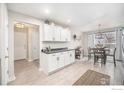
(55, 61)
(52, 62)
(72, 56)
(61, 62)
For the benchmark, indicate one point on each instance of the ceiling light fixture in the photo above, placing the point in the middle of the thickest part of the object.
(20, 25)
(68, 20)
(99, 34)
(47, 11)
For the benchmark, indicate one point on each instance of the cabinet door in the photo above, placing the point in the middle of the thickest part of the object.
(68, 35)
(61, 60)
(63, 34)
(56, 33)
(52, 63)
(72, 56)
(66, 58)
(48, 33)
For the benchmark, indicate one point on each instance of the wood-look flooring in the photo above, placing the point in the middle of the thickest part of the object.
(27, 73)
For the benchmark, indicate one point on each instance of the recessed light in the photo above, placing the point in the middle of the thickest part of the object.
(68, 20)
(47, 11)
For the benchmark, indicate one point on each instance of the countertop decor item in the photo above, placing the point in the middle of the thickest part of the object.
(74, 36)
(47, 21)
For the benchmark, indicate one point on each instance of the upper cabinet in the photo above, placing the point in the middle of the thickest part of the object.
(56, 33)
(48, 33)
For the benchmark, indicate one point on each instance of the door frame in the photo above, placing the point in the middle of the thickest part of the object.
(15, 17)
(4, 43)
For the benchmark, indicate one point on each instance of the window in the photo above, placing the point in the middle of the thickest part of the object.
(107, 39)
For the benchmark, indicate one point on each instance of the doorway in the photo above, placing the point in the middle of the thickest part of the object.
(26, 46)
(26, 41)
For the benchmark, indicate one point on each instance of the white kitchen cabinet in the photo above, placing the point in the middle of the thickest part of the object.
(55, 61)
(71, 56)
(68, 35)
(52, 62)
(66, 58)
(61, 62)
(48, 33)
(65, 35)
(56, 33)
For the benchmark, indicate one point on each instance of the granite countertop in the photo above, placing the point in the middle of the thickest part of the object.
(57, 51)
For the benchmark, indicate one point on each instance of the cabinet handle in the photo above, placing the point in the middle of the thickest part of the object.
(53, 38)
(6, 56)
(57, 58)
(70, 55)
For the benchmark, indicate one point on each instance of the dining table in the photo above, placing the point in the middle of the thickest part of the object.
(100, 52)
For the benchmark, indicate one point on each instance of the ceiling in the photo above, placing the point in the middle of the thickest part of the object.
(79, 16)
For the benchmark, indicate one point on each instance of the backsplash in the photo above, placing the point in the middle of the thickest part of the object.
(56, 44)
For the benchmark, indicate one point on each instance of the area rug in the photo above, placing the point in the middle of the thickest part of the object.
(92, 77)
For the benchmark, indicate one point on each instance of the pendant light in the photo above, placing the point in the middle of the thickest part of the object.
(99, 34)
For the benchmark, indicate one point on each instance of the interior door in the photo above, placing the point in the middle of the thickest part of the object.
(35, 43)
(20, 43)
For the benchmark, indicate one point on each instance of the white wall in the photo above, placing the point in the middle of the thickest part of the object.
(113, 20)
(76, 43)
(85, 42)
(55, 45)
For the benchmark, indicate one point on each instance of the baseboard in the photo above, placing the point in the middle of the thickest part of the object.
(30, 60)
(36, 59)
(19, 60)
(11, 79)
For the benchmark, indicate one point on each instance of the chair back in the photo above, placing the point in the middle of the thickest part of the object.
(113, 51)
(99, 52)
(89, 49)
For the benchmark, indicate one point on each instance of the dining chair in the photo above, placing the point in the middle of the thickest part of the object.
(112, 54)
(99, 54)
